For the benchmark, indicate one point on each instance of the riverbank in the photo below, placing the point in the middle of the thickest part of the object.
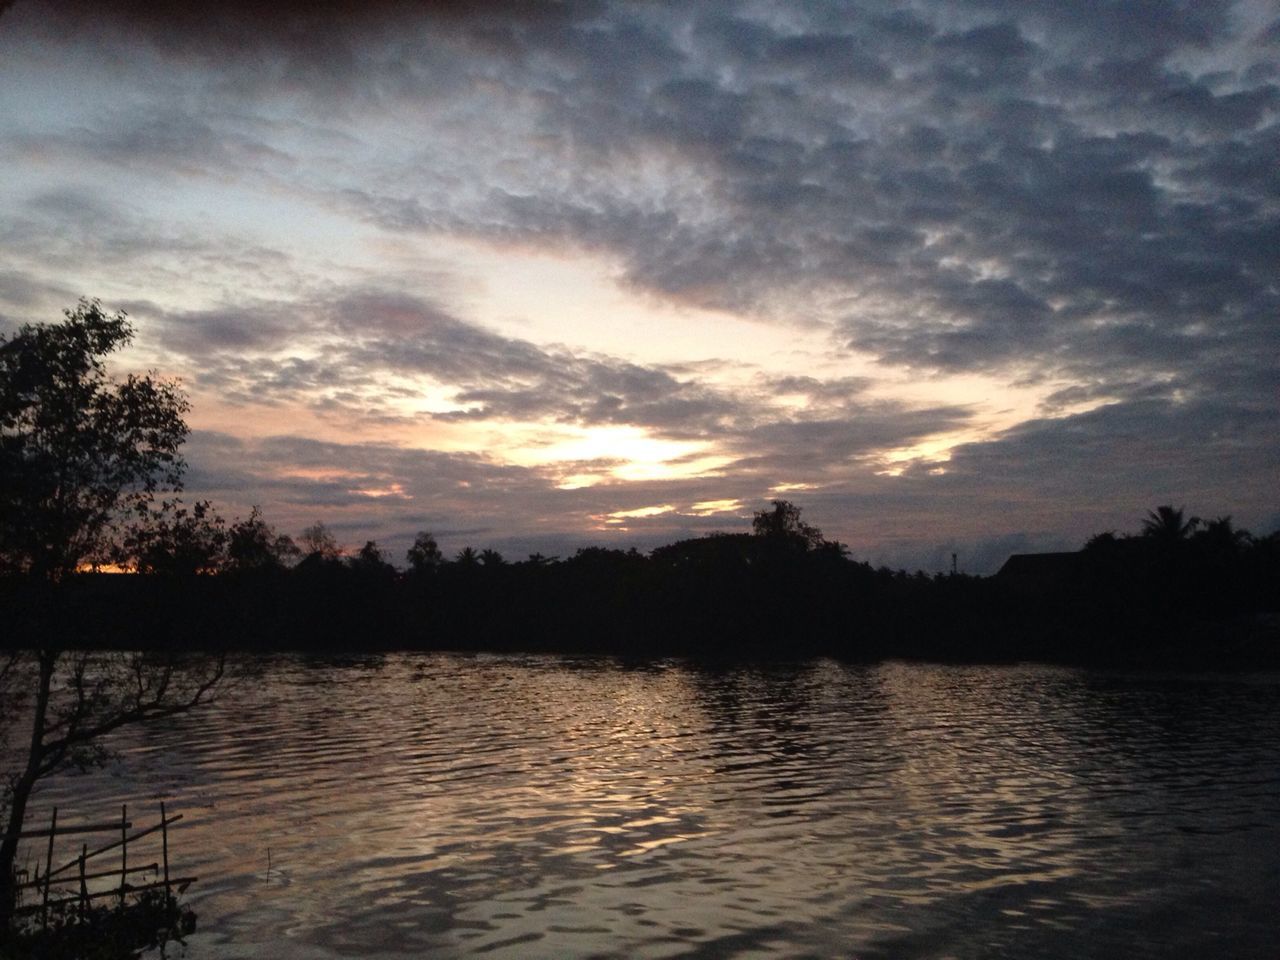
(802, 609)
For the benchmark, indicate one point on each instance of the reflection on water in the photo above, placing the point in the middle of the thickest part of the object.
(449, 806)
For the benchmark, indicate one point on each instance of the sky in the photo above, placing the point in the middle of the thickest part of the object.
(966, 277)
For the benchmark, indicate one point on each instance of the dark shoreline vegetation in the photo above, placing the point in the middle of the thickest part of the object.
(1204, 598)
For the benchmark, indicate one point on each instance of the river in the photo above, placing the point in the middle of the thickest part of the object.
(438, 805)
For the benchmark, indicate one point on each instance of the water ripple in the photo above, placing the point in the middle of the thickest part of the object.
(515, 807)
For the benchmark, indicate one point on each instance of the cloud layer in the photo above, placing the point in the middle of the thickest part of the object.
(1076, 203)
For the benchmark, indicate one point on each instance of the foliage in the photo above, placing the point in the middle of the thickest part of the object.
(77, 448)
(83, 458)
(175, 540)
(424, 556)
(370, 562)
(318, 543)
(1166, 524)
(253, 544)
(783, 525)
(149, 921)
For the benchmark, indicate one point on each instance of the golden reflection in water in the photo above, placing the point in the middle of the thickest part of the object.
(610, 773)
(449, 805)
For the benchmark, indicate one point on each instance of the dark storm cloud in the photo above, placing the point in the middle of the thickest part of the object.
(1024, 210)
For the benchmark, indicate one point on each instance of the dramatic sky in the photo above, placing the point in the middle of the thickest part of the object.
(971, 277)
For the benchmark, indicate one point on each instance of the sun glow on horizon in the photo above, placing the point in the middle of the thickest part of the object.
(617, 452)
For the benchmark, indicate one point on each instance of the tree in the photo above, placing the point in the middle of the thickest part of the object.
(79, 454)
(176, 541)
(78, 449)
(253, 544)
(318, 543)
(1222, 538)
(1165, 525)
(783, 525)
(424, 556)
(371, 562)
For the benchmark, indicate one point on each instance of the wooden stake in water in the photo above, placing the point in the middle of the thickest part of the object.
(84, 889)
(48, 866)
(124, 848)
(164, 846)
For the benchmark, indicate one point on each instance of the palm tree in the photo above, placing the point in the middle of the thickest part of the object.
(491, 558)
(1166, 525)
(467, 557)
(1222, 537)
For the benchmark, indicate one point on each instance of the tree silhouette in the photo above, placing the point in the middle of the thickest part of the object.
(175, 540)
(424, 556)
(371, 561)
(79, 453)
(318, 543)
(253, 544)
(782, 524)
(79, 450)
(1166, 524)
(1222, 536)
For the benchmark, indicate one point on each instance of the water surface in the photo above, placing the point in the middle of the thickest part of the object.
(495, 806)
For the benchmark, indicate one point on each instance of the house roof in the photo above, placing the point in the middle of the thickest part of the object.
(1039, 569)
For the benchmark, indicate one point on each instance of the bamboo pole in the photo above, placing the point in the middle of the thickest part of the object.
(164, 843)
(70, 831)
(48, 865)
(84, 889)
(111, 846)
(113, 872)
(180, 882)
(124, 849)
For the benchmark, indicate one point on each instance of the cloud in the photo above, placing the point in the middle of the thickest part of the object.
(1076, 195)
(254, 354)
